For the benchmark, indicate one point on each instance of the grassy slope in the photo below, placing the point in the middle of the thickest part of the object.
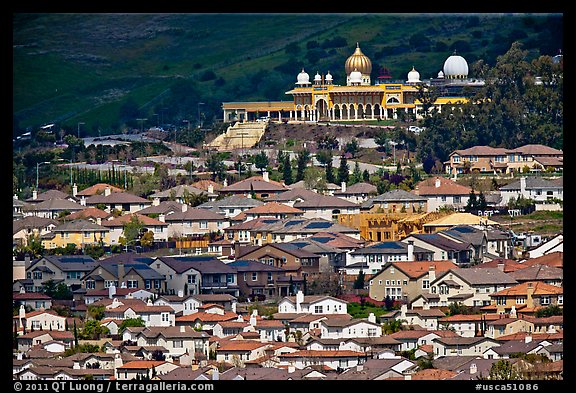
(82, 67)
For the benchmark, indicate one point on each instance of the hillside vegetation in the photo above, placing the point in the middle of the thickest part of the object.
(109, 70)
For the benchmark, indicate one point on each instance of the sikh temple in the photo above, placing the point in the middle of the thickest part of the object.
(322, 100)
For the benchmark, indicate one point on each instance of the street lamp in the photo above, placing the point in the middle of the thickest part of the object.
(394, 149)
(199, 119)
(79, 128)
(37, 166)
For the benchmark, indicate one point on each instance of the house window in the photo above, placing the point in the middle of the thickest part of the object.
(560, 299)
(90, 284)
(545, 300)
(203, 224)
(191, 279)
(405, 282)
(147, 284)
(457, 199)
(317, 309)
(230, 278)
(501, 300)
(178, 344)
(270, 279)
(425, 284)
(132, 284)
(520, 300)
(37, 275)
(254, 276)
(156, 284)
(164, 317)
(387, 282)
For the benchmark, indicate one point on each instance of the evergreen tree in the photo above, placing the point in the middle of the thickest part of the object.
(287, 170)
(329, 172)
(356, 174)
(472, 203)
(359, 282)
(302, 163)
(343, 170)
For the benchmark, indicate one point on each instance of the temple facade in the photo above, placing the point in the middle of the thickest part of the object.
(320, 100)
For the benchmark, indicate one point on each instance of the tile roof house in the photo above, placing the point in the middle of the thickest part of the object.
(31, 226)
(535, 188)
(507, 325)
(122, 201)
(194, 221)
(443, 192)
(481, 159)
(51, 208)
(47, 195)
(33, 300)
(66, 268)
(470, 286)
(326, 207)
(462, 346)
(350, 328)
(270, 209)
(79, 232)
(418, 318)
(240, 351)
(197, 275)
(90, 213)
(444, 248)
(527, 297)
(467, 325)
(405, 280)
(153, 316)
(378, 369)
(356, 193)
(511, 348)
(231, 206)
(314, 304)
(338, 359)
(544, 273)
(143, 369)
(378, 254)
(396, 201)
(504, 264)
(97, 189)
(36, 337)
(553, 259)
(181, 193)
(261, 186)
(178, 340)
(164, 207)
(132, 275)
(116, 226)
(258, 278)
(413, 339)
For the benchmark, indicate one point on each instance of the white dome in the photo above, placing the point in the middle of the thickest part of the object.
(440, 74)
(355, 76)
(317, 77)
(413, 76)
(328, 76)
(303, 78)
(455, 67)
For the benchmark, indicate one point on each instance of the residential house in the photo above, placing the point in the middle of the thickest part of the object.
(194, 222)
(413, 339)
(331, 258)
(247, 232)
(224, 329)
(270, 209)
(78, 232)
(68, 269)
(419, 318)
(197, 275)
(270, 330)
(51, 208)
(139, 369)
(151, 315)
(352, 328)
(260, 186)
(93, 295)
(504, 264)
(507, 325)
(47, 195)
(293, 260)
(379, 369)
(462, 346)
(259, 278)
(444, 248)
(535, 156)
(33, 300)
(182, 305)
(37, 320)
(554, 352)
(443, 193)
(25, 227)
(326, 207)
(396, 201)
(555, 246)
(165, 207)
(17, 206)
(292, 196)
(378, 254)
(297, 228)
(37, 337)
(332, 360)
(116, 226)
(543, 273)
(526, 298)
(124, 275)
(183, 193)
(221, 248)
(405, 280)
(227, 301)
(238, 352)
(120, 201)
(552, 324)
(90, 213)
(206, 317)
(553, 259)
(467, 325)
(536, 188)
(306, 323)
(231, 206)
(469, 286)
(356, 193)
(96, 189)
(487, 243)
(178, 340)
(510, 349)
(313, 304)
(480, 159)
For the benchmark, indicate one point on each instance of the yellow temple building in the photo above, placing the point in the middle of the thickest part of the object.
(320, 99)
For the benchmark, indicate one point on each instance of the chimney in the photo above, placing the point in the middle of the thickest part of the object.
(265, 176)
(120, 272)
(98, 221)
(184, 208)
(253, 318)
(21, 312)
(182, 329)
(83, 201)
(117, 362)
(107, 191)
(35, 194)
(410, 250)
(528, 338)
(22, 290)
(372, 317)
(513, 312)
(522, 185)
(473, 368)
(74, 190)
(291, 369)
(215, 374)
(233, 307)
(180, 293)
(225, 184)
(359, 367)
(343, 186)
(437, 183)
(431, 273)
(156, 201)
(501, 266)
(26, 261)
(210, 189)
(162, 217)
(111, 291)
(249, 195)
(407, 377)
(149, 303)
(403, 311)
(299, 301)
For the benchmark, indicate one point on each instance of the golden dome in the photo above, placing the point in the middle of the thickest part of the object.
(358, 61)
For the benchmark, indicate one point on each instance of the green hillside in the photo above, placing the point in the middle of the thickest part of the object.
(108, 70)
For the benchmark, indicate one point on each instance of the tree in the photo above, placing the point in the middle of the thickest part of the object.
(352, 147)
(301, 164)
(323, 157)
(75, 335)
(93, 329)
(503, 370)
(359, 282)
(287, 169)
(131, 231)
(130, 322)
(96, 312)
(343, 170)
(472, 203)
(261, 161)
(215, 164)
(147, 239)
(329, 172)
(356, 174)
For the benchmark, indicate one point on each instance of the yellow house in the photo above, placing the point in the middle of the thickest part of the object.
(79, 232)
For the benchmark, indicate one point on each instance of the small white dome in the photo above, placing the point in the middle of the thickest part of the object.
(355, 76)
(440, 74)
(455, 67)
(303, 78)
(317, 77)
(328, 76)
(413, 76)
